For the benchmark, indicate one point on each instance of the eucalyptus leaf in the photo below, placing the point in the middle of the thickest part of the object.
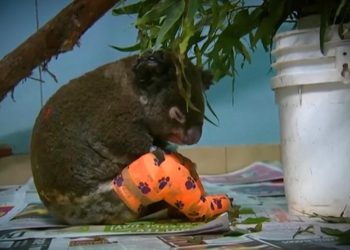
(171, 16)
(132, 48)
(270, 23)
(195, 39)
(157, 11)
(188, 32)
(233, 213)
(258, 228)
(212, 111)
(214, 31)
(341, 31)
(128, 9)
(342, 236)
(331, 231)
(339, 10)
(234, 232)
(184, 87)
(214, 17)
(246, 210)
(333, 219)
(240, 18)
(308, 229)
(325, 15)
(210, 121)
(237, 232)
(192, 8)
(198, 56)
(255, 220)
(242, 50)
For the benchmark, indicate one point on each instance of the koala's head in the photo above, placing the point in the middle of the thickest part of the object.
(167, 115)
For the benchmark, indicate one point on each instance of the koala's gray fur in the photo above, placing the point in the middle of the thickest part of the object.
(100, 122)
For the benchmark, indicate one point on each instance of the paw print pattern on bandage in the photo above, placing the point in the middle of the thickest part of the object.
(143, 186)
(212, 206)
(118, 180)
(163, 182)
(156, 162)
(179, 204)
(190, 183)
(218, 203)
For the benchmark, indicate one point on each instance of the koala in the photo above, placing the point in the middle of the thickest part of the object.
(100, 122)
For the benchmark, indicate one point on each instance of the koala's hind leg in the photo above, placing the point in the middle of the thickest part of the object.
(100, 207)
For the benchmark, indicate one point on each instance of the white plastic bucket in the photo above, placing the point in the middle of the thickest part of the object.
(314, 101)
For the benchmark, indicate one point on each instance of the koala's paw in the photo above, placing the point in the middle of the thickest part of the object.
(159, 154)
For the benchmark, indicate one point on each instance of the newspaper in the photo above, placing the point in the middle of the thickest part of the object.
(170, 242)
(132, 242)
(22, 210)
(96, 243)
(26, 224)
(252, 185)
(254, 173)
(220, 224)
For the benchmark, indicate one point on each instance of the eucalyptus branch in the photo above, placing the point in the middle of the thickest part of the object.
(57, 36)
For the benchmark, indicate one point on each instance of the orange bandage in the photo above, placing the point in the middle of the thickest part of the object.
(145, 181)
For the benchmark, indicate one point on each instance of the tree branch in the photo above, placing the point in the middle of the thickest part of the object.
(57, 36)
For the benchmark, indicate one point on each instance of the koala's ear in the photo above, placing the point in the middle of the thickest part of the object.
(207, 79)
(149, 67)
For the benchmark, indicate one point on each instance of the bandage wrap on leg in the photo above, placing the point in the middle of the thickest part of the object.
(146, 181)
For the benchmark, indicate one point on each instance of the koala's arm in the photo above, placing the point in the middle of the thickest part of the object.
(122, 147)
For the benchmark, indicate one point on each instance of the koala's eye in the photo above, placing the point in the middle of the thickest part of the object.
(176, 114)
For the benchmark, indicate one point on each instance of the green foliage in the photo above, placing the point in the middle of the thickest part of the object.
(235, 231)
(207, 31)
(308, 229)
(246, 210)
(334, 219)
(216, 33)
(255, 220)
(342, 236)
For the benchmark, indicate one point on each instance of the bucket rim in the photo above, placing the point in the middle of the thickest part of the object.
(299, 79)
(284, 34)
(332, 29)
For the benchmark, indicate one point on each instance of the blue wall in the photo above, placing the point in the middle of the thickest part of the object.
(253, 117)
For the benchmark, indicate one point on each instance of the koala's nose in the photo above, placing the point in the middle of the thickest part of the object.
(193, 135)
